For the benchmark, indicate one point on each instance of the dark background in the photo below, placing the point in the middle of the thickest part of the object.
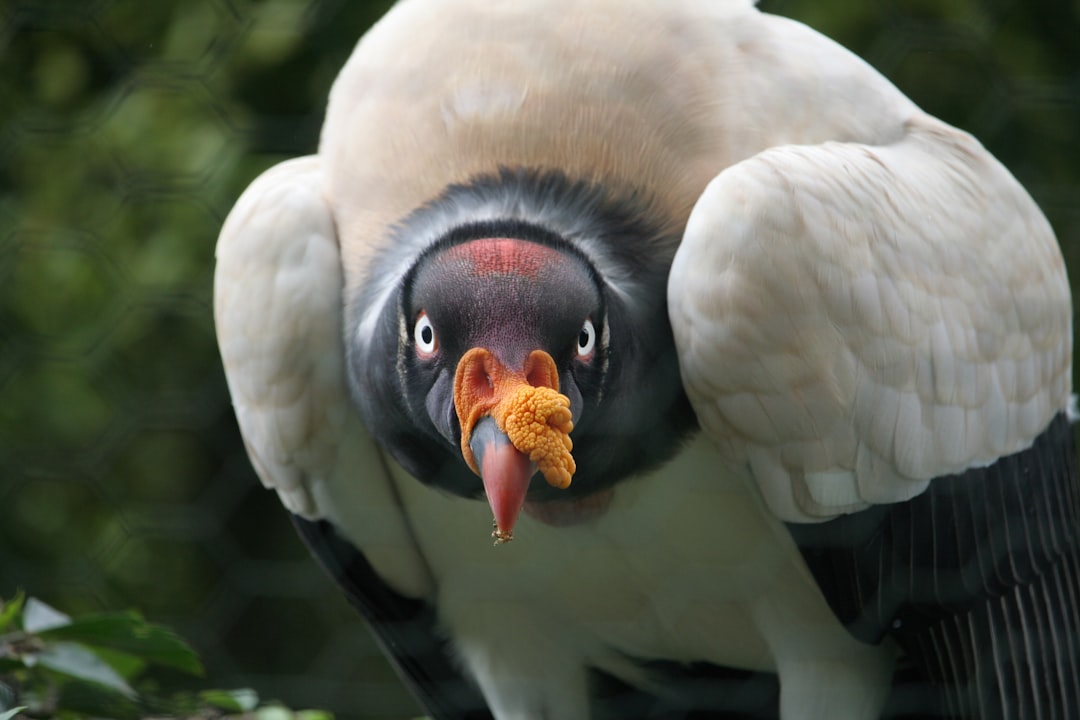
(127, 130)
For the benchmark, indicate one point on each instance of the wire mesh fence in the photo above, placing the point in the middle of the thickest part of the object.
(127, 130)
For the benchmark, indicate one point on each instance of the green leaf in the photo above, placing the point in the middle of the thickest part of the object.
(313, 715)
(9, 612)
(76, 661)
(37, 616)
(12, 712)
(90, 699)
(273, 712)
(129, 666)
(235, 701)
(128, 633)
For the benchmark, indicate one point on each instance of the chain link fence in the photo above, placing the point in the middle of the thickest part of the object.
(127, 130)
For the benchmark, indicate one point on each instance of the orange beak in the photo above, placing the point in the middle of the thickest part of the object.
(512, 423)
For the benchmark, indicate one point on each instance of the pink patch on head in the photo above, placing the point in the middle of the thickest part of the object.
(504, 256)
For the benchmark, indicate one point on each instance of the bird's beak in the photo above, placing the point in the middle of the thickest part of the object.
(506, 472)
(512, 423)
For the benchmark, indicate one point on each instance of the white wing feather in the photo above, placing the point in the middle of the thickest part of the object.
(853, 321)
(278, 311)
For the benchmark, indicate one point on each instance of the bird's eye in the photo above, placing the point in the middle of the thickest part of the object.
(586, 340)
(424, 336)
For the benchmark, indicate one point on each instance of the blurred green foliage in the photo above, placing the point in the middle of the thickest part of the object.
(94, 666)
(127, 130)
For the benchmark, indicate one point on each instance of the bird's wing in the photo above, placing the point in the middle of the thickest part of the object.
(882, 335)
(853, 321)
(278, 311)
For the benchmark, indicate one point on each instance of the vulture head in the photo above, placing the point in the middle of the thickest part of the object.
(517, 352)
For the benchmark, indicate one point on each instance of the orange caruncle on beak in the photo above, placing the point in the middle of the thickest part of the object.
(528, 408)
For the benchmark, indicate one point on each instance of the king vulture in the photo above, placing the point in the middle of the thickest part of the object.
(764, 371)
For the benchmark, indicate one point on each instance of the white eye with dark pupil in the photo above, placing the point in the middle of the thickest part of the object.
(424, 335)
(586, 339)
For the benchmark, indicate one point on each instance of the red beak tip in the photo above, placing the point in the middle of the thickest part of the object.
(501, 536)
(505, 473)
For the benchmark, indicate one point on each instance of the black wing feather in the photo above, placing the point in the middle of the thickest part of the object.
(405, 627)
(977, 579)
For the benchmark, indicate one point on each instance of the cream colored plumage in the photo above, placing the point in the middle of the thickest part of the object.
(277, 307)
(887, 315)
(864, 300)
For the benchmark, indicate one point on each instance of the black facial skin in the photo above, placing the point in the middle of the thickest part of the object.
(629, 409)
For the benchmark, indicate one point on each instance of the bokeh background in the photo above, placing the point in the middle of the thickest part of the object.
(128, 129)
